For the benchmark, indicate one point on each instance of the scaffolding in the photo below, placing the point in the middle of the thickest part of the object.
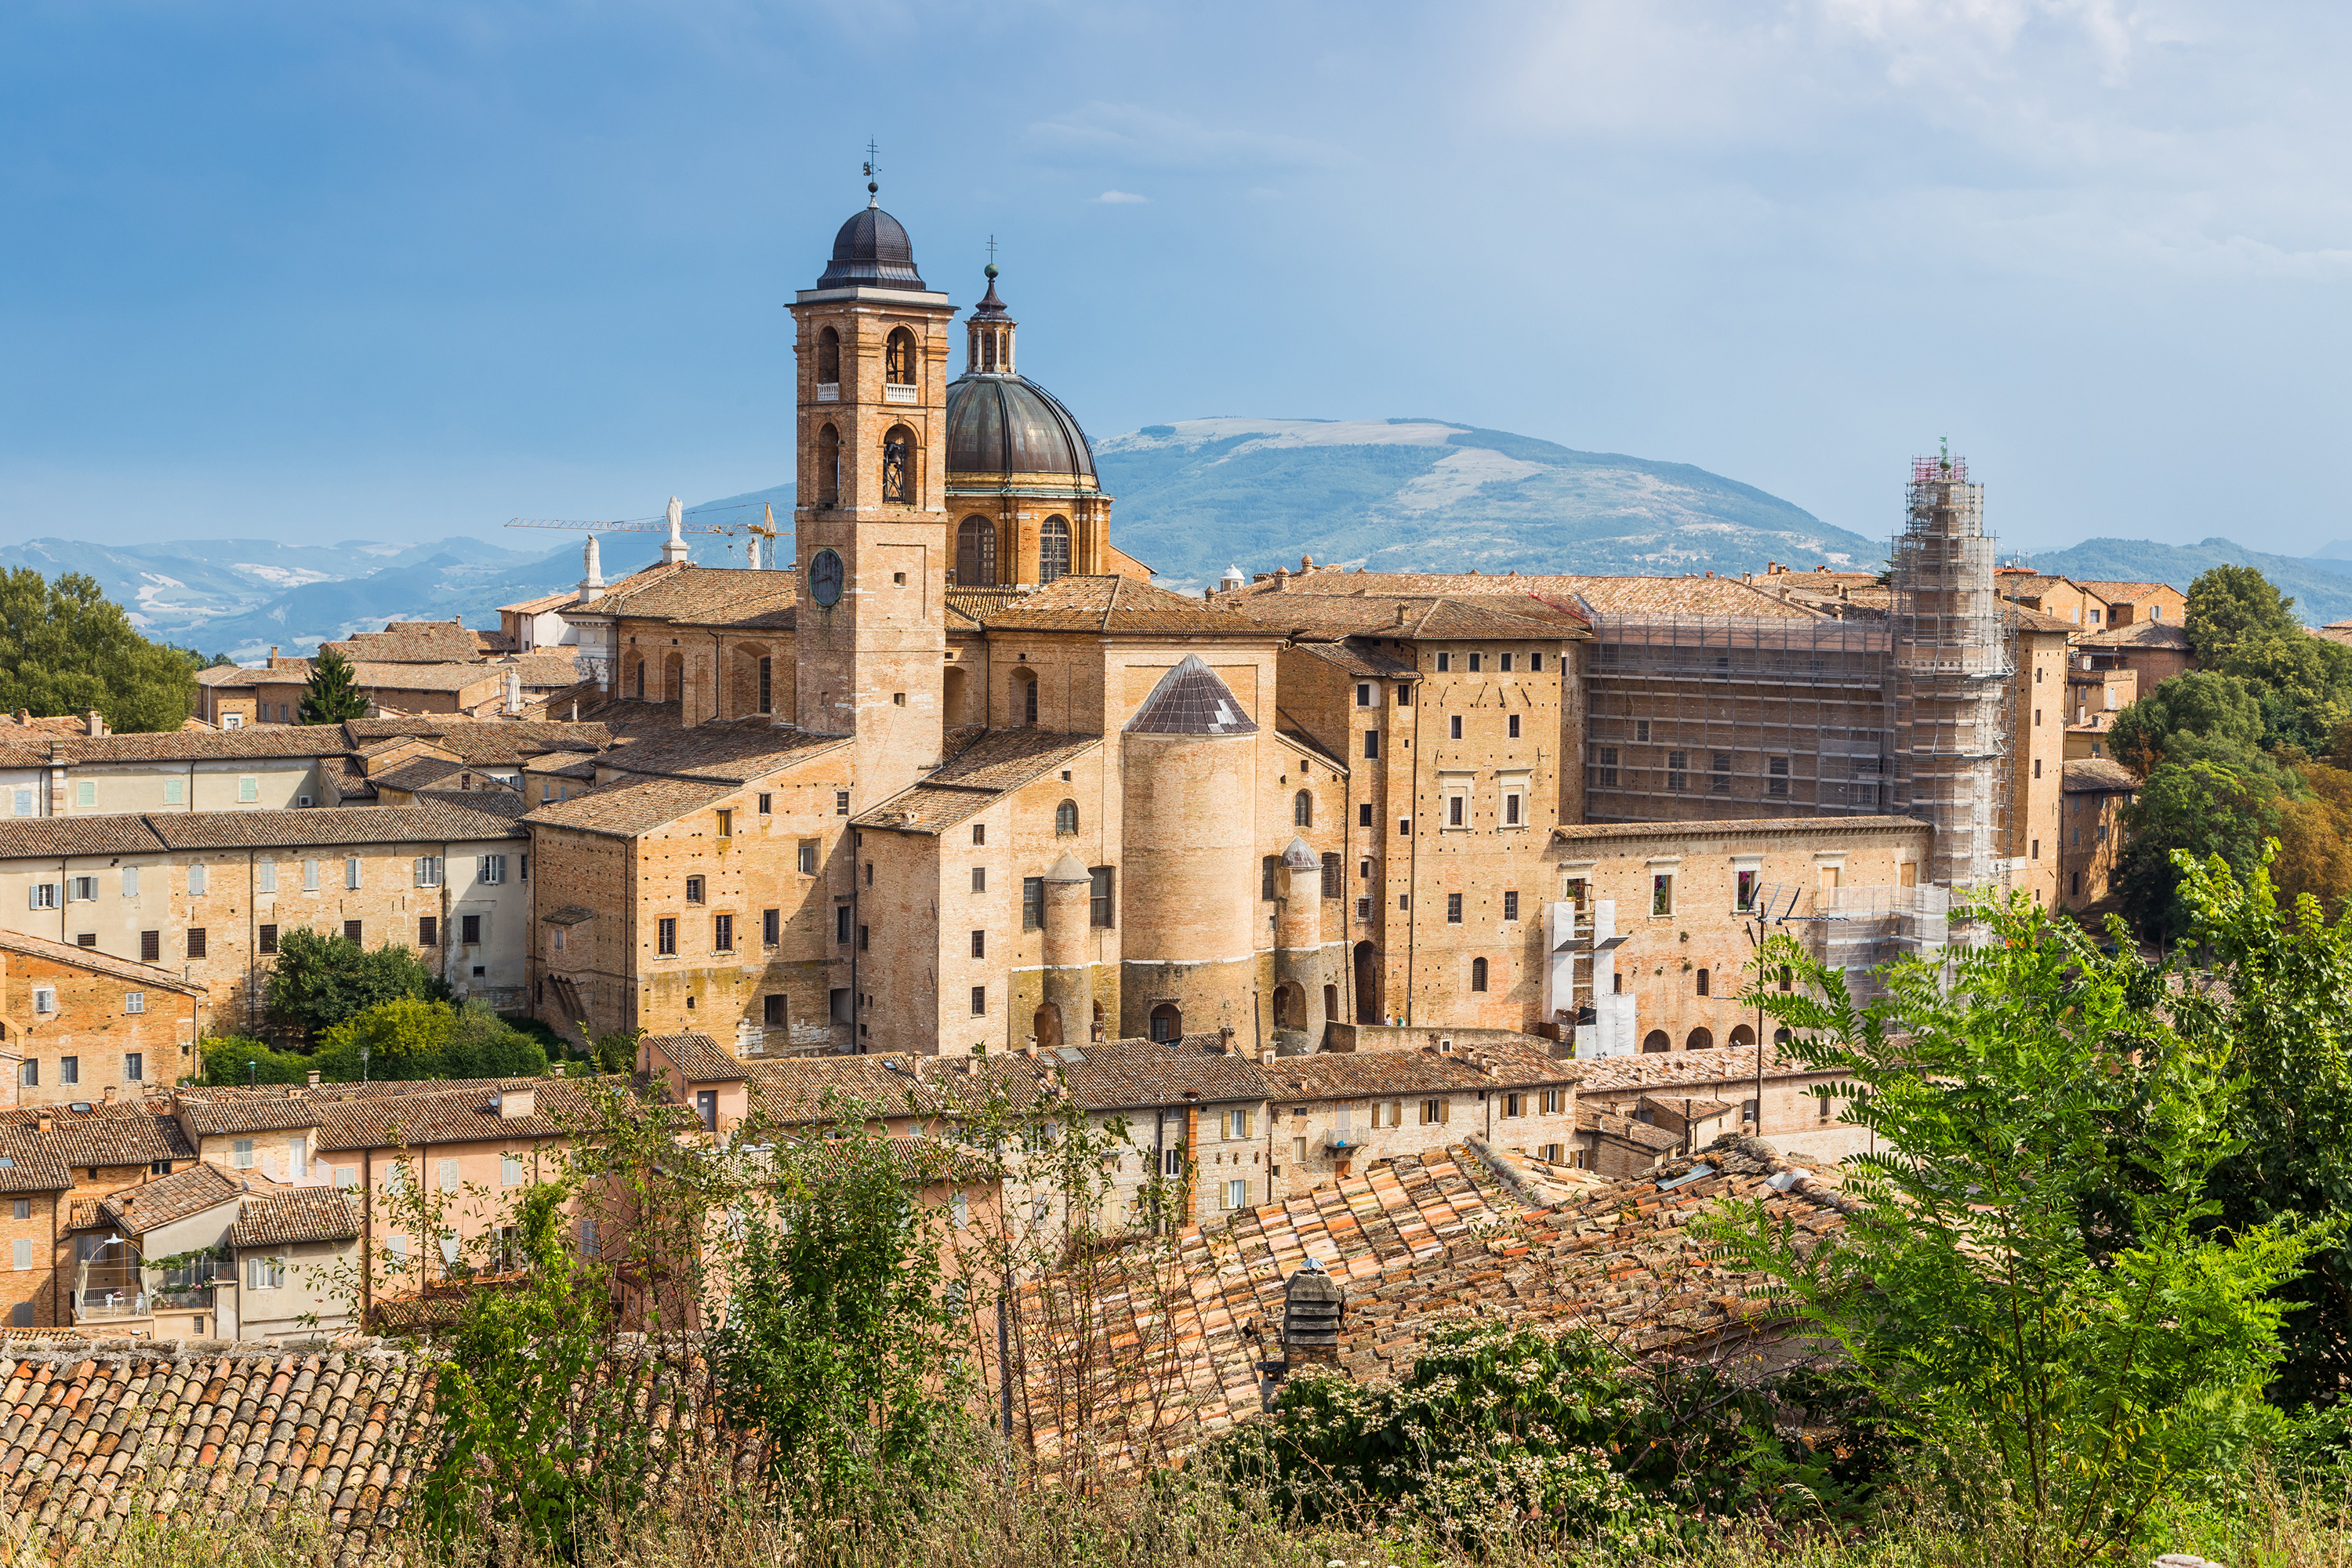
(1954, 654)
(1692, 718)
(1860, 930)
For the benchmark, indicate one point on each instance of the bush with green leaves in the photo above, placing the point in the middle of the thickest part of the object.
(66, 648)
(232, 1059)
(408, 1037)
(2032, 1275)
(320, 980)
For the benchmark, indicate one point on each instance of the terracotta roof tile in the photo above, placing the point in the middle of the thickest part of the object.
(1119, 606)
(1357, 1075)
(737, 752)
(289, 1218)
(32, 1162)
(697, 1057)
(412, 642)
(143, 974)
(137, 1132)
(486, 741)
(1653, 1070)
(2099, 775)
(1122, 1075)
(431, 820)
(1586, 833)
(1428, 618)
(702, 596)
(975, 778)
(628, 807)
(206, 1114)
(165, 1200)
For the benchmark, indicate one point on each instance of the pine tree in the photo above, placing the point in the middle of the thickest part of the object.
(331, 697)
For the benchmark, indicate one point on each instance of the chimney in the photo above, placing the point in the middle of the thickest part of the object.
(1225, 1040)
(108, 1096)
(1266, 1059)
(312, 1078)
(95, 724)
(45, 1122)
(1282, 579)
(514, 1103)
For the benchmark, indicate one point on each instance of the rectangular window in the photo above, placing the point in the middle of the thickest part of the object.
(1269, 877)
(1677, 771)
(21, 1252)
(44, 895)
(1744, 890)
(722, 933)
(980, 833)
(1404, 695)
(1718, 778)
(493, 868)
(1511, 808)
(1515, 726)
(771, 927)
(1505, 663)
(979, 879)
(196, 941)
(772, 1010)
(2034, 853)
(1662, 893)
(1510, 904)
(1363, 909)
(767, 804)
(68, 1069)
(89, 938)
(1363, 694)
(665, 936)
(1453, 908)
(1453, 727)
(1332, 885)
(131, 879)
(1404, 827)
(196, 878)
(980, 1001)
(1364, 814)
(1434, 1112)
(509, 1170)
(134, 1065)
(1445, 661)
(1555, 1100)
(865, 939)
(81, 890)
(248, 789)
(310, 876)
(841, 802)
(297, 1160)
(428, 931)
(726, 824)
(351, 871)
(1237, 1193)
(265, 1273)
(840, 922)
(469, 930)
(1607, 767)
(1372, 744)
(1032, 903)
(1474, 662)
(980, 944)
(1237, 1124)
(25, 801)
(268, 938)
(767, 694)
(1511, 1104)
(448, 1175)
(30, 1073)
(85, 795)
(694, 889)
(351, 932)
(808, 857)
(1101, 909)
(240, 1153)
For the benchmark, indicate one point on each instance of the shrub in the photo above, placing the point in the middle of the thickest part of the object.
(321, 980)
(234, 1060)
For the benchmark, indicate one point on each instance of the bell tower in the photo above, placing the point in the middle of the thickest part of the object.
(871, 524)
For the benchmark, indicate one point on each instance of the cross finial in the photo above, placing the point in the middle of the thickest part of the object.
(992, 249)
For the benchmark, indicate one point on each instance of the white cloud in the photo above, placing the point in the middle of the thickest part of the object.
(1130, 135)
(1116, 198)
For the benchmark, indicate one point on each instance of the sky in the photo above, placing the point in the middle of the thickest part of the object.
(402, 270)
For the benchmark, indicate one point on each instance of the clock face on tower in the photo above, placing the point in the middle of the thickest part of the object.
(824, 575)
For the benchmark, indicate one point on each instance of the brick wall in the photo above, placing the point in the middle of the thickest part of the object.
(81, 1050)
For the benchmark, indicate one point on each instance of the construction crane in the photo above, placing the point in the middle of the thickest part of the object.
(673, 522)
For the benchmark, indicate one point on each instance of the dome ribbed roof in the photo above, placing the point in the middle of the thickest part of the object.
(872, 250)
(1010, 425)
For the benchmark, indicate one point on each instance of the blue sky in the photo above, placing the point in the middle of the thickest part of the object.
(401, 271)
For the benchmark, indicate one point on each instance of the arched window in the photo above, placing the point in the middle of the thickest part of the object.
(1700, 1039)
(640, 674)
(899, 466)
(1302, 810)
(827, 476)
(1025, 694)
(898, 358)
(1477, 974)
(1780, 1037)
(1066, 818)
(1741, 1035)
(1054, 551)
(1702, 983)
(976, 554)
(1167, 1022)
(1657, 1040)
(829, 357)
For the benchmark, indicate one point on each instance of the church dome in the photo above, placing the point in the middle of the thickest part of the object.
(872, 251)
(1010, 425)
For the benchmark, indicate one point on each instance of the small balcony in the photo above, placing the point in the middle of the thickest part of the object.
(892, 392)
(107, 1306)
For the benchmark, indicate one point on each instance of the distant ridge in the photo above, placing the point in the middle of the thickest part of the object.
(2322, 589)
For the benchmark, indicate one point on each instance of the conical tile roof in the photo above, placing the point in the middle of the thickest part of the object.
(1191, 701)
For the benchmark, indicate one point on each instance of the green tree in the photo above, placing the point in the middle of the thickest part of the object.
(64, 648)
(2204, 807)
(2232, 607)
(321, 980)
(403, 1038)
(234, 1060)
(331, 698)
(2217, 710)
(2031, 1275)
(2277, 1015)
(483, 1044)
(838, 1346)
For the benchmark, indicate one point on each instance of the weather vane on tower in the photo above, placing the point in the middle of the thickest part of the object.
(873, 168)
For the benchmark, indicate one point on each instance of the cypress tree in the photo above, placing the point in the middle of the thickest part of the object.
(331, 698)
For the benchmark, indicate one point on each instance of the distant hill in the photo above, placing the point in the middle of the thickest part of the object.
(2322, 588)
(1404, 495)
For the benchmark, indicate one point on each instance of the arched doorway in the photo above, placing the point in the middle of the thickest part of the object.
(1289, 1007)
(1167, 1022)
(1700, 1040)
(1046, 1025)
(1368, 984)
(1657, 1040)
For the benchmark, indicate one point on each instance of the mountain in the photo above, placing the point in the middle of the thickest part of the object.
(2322, 588)
(1404, 495)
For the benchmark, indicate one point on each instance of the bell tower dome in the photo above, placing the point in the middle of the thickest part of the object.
(870, 508)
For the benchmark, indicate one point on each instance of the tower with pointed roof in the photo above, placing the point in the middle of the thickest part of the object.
(870, 513)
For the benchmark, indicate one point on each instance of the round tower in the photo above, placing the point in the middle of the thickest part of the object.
(1188, 907)
(1068, 1013)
